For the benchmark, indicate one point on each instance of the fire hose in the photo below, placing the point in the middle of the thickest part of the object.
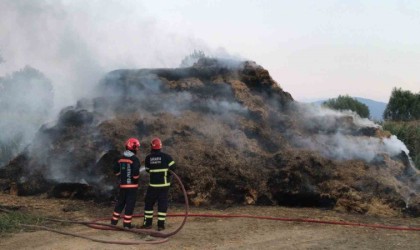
(165, 236)
(103, 226)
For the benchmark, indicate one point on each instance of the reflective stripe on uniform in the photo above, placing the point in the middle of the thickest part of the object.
(165, 177)
(161, 216)
(148, 214)
(160, 185)
(127, 221)
(171, 163)
(115, 216)
(129, 185)
(125, 161)
(158, 170)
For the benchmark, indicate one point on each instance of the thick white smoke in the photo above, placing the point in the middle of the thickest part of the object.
(335, 134)
(346, 136)
(26, 98)
(75, 42)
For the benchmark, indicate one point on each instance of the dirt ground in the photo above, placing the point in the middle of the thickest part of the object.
(213, 233)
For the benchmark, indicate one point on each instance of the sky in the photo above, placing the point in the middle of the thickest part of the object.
(312, 49)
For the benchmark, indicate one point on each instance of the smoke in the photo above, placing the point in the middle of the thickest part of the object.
(343, 135)
(144, 92)
(143, 95)
(25, 100)
(74, 43)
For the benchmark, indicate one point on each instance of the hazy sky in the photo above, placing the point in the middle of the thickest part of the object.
(313, 49)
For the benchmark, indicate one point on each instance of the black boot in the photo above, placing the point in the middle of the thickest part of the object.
(161, 225)
(114, 222)
(147, 224)
(146, 227)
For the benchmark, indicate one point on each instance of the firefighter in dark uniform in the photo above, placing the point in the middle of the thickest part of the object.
(127, 167)
(157, 164)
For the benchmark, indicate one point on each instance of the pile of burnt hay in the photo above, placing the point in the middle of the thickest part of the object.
(228, 127)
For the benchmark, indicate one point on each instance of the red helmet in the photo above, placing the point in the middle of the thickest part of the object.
(156, 143)
(132, 144)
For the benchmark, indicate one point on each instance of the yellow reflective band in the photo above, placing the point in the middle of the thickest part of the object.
(158, 170)
(160, 185)
(162, 214)
(148, 216)
(148, 211)
(171, 163)
(161, 218)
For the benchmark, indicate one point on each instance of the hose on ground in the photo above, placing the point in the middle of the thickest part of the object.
(103, 226)
(344, 223)
(97, 240)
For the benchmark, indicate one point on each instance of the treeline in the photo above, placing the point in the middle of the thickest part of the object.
(409, 133)
(348, 103)
(402, 106)
(401, 117)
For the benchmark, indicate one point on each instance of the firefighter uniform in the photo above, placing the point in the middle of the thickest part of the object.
(128, 169)
(157, 164)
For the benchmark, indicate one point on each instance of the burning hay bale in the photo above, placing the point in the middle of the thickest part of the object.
(236, 136)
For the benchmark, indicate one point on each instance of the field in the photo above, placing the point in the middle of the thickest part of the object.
(210, 233)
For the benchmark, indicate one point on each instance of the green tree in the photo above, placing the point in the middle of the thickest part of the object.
(403, 105)
(348, 103)
(409, 133)
(416, 107)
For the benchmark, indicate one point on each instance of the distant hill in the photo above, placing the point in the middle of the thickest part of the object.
(376, 108)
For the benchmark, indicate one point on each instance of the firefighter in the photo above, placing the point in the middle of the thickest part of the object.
(157, 164)
(127, 167)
